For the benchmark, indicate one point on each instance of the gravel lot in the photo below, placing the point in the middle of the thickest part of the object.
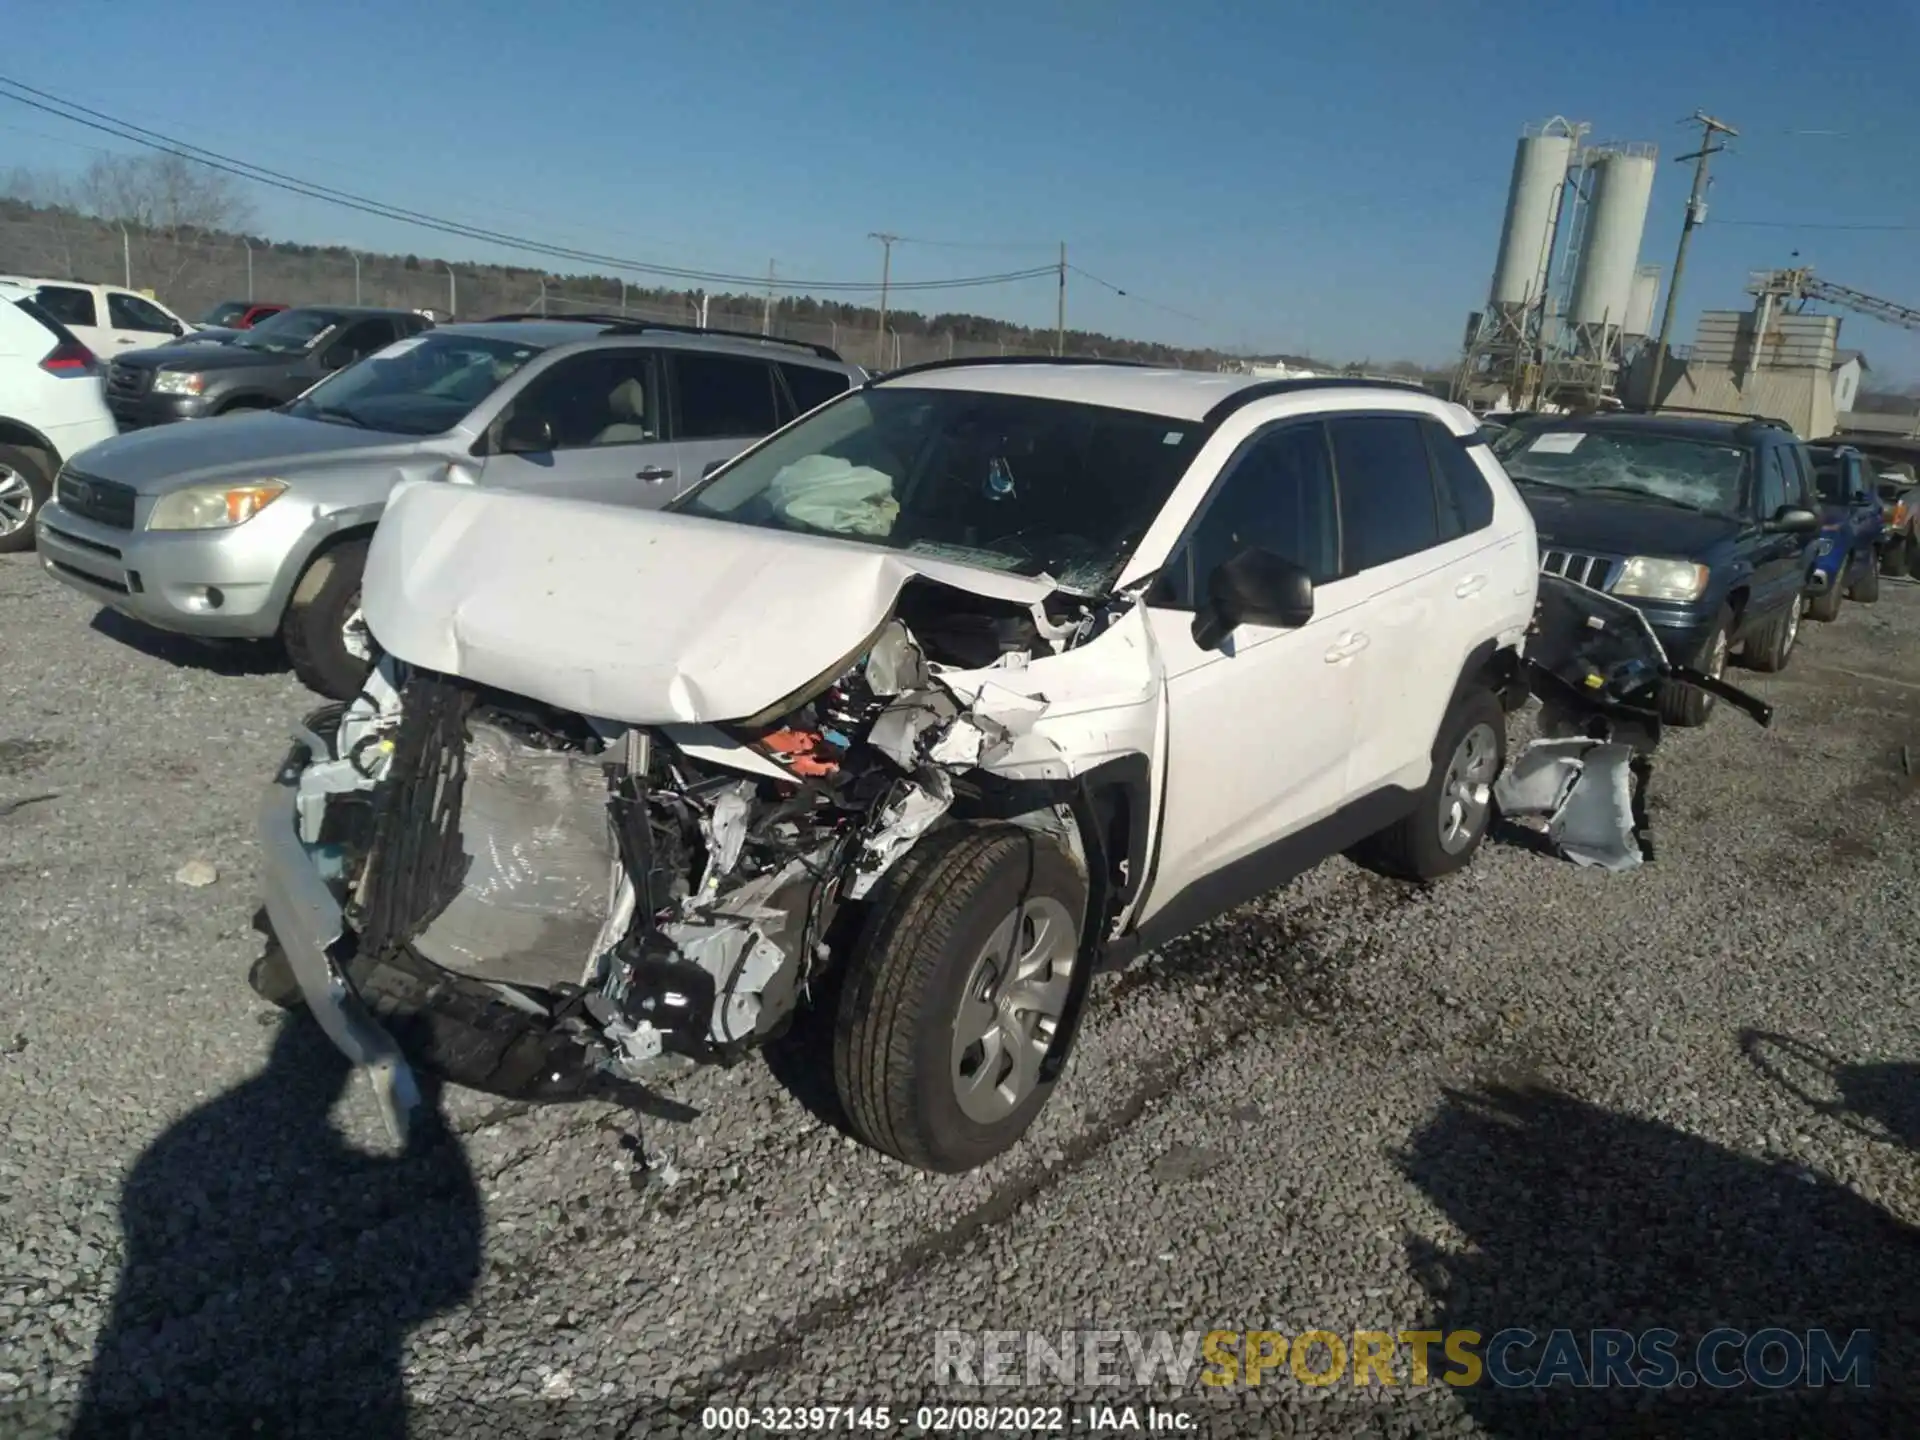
(1532, 1096)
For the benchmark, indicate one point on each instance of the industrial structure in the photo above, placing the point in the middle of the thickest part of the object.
(1570, 300)
(1776, 359)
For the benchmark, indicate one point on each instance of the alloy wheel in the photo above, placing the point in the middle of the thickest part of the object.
(16, 501)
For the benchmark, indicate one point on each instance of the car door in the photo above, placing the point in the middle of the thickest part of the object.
(1779, 571)
(1868, 517)
(137, 323)
(1419, 587)
(1258, 729)
(721, 405)
(591, 426)
(76, 307)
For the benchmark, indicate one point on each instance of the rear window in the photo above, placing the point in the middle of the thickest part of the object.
(811, 386)
(60, 332)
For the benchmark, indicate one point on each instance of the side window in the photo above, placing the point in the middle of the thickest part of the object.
(810, 386)
(723, 397)
(1775, 487)
(604, 397)
(1277, 493)
(130, 312)
(1387, 494)
(360, 339)
(68, 305)
(1466, 500)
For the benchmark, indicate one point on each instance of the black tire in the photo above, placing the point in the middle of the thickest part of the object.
(1893, 557)
(1412, 848)
(25, 488)
(1866, 585)
(1770, 645)
(1913, 556)
(272, 980)
(1688, 705)
(901, 998)
(314, 629)
(1825, 606)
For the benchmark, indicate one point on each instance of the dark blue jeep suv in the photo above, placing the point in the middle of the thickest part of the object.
(1705, 524)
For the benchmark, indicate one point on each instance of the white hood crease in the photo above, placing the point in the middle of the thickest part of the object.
(631, 615)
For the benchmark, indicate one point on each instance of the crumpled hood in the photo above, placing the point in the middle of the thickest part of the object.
(630, 615)
(166, 457)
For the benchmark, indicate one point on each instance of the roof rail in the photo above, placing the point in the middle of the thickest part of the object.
(1247, 394)
(961, 363)
(627, 325)
(1741, 415)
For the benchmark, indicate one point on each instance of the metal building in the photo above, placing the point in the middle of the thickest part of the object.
(1621, 186)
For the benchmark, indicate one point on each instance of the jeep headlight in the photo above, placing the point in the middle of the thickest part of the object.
(1646, 577)
(214, 507)
(178, 382)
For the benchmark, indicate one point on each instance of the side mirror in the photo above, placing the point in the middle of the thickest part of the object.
(1252, 586)
(1792, 520)
(176, 327)
(525, 434)
(710, 467)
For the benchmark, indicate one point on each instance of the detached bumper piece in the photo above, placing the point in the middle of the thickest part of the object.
(1596, 665)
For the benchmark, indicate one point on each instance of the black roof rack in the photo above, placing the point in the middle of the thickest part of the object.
(1685, 410)
(1261, 390)
(961, 363)
(627, 325)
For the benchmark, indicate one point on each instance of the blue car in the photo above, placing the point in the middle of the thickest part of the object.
(1846, 557)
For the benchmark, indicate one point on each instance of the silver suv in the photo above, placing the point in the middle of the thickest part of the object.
(257, 525)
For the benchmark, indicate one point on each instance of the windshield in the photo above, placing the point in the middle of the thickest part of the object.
(289, 332)
(422, 385)
(225, 313)
(1007, 482)
(1670, 469)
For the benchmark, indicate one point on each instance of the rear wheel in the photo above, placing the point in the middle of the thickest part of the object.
(1450, 818)
(954, 993)
(25, 486)
(1866, 584)
(1688, 705)
(325, 631)
(1771, 645)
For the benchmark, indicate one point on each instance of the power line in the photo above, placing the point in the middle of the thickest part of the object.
(259, 174)
(1137, 299)
(1814, 225)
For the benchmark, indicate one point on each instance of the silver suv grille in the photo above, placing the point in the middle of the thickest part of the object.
(1596, 572)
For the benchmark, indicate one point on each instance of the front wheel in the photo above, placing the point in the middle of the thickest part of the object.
(325, 631)
(1687, 705)
(1866, 585)
(954, 994)
(1450, 818)
(25, 488)
(1825, 606)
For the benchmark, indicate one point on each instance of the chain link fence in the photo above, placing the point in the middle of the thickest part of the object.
(191, 275)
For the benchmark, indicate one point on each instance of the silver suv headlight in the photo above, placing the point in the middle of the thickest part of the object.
(214, 507)
(179, 382)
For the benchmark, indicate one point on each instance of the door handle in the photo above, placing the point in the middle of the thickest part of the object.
(653, 474)
(1349, 646)
(1472, 585)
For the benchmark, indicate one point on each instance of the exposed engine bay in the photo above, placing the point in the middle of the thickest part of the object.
(660, 894)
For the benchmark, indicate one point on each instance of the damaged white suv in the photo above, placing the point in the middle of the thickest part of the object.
(917, 713)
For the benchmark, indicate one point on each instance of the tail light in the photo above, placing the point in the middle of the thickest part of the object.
(1899, 517)
(69, 358)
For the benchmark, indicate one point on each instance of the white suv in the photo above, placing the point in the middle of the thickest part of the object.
(51, 408)
(106, 318)
(915, 714)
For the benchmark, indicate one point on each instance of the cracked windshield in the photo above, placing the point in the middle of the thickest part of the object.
(1683, 473)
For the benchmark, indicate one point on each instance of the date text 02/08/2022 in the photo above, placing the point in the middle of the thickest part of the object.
(941, 1419)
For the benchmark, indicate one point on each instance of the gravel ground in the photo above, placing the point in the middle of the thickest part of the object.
(1532, 1096)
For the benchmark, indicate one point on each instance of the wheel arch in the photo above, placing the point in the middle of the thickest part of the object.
(22, 435)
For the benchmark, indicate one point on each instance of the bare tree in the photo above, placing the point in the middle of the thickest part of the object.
(164, 195)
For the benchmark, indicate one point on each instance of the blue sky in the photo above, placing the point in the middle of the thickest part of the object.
(1325, 177)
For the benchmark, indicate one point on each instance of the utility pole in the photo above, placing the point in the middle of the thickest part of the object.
(886, 276)
(1696, 212)
(1060, 310)
(766, 315)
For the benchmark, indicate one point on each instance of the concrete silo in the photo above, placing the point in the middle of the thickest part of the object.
(1533, 205)
(1620, 187)
(1640, 301)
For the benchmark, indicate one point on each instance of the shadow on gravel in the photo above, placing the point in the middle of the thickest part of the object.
(272, 1272)
(1578, 1218)
(1879, 1101)
(219, 657)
